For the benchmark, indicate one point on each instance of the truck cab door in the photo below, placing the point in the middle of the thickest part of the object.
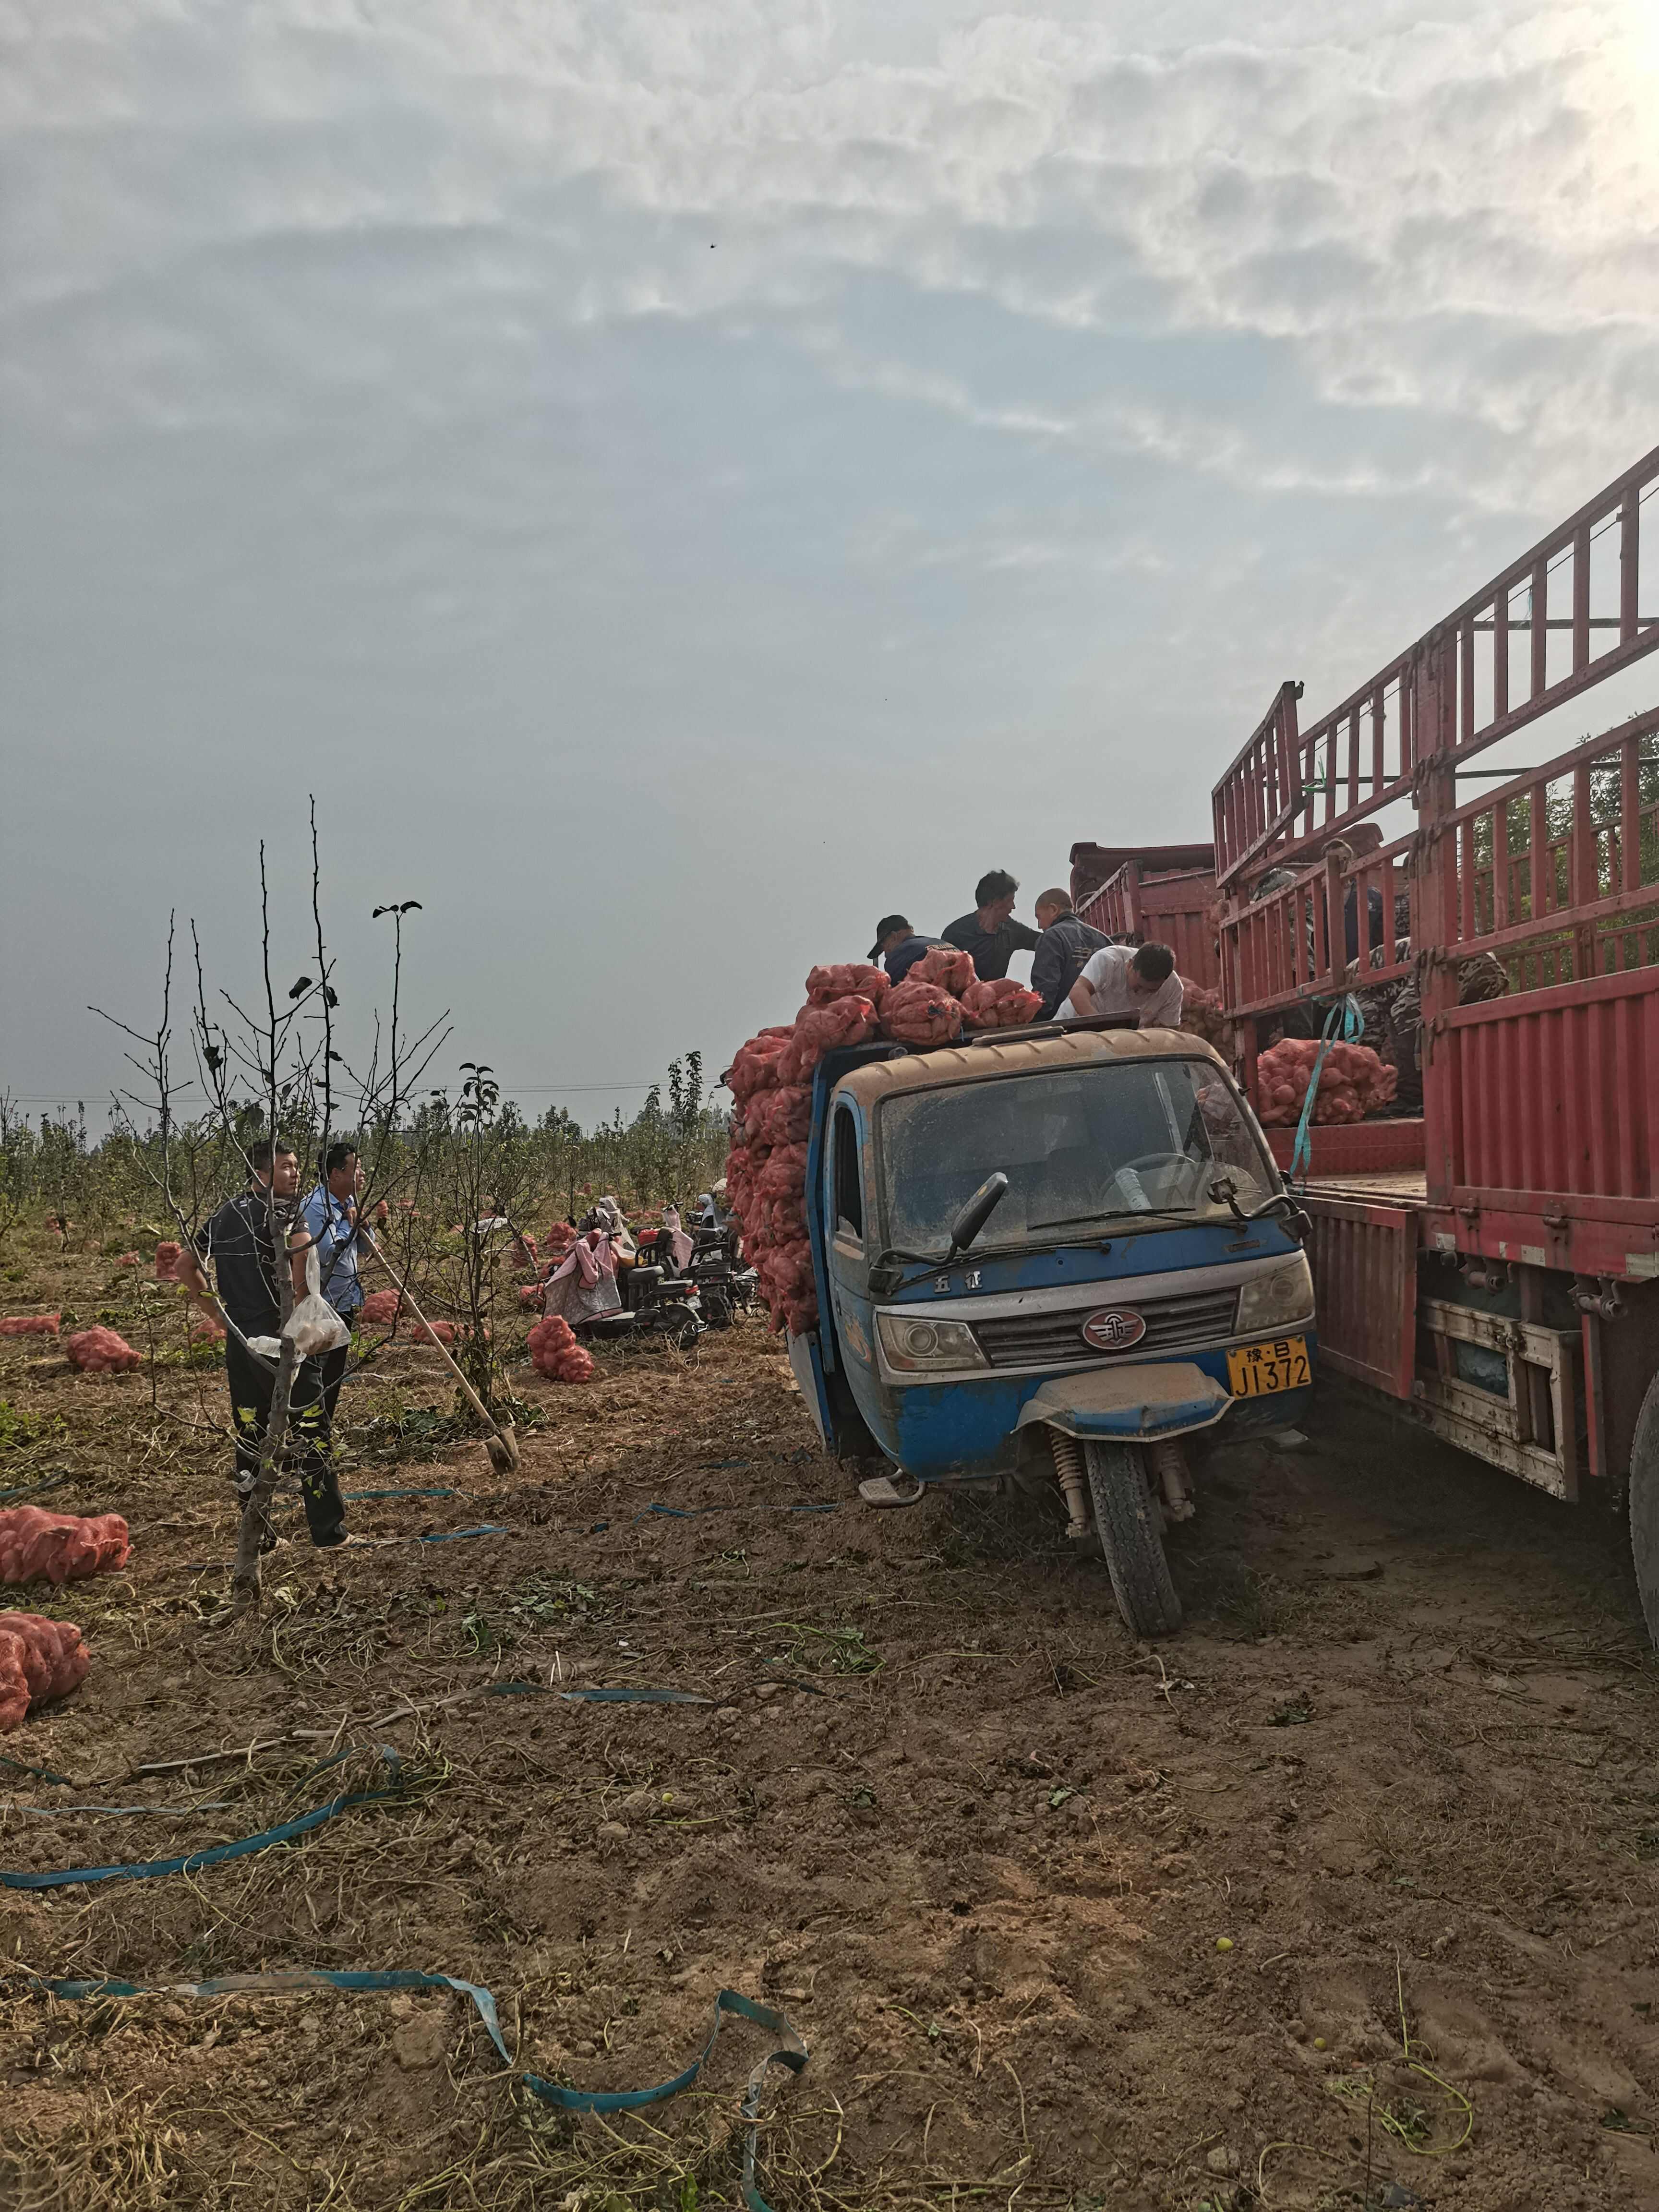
(848, 1222)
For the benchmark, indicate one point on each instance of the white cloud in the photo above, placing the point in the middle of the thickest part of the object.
(649, 396)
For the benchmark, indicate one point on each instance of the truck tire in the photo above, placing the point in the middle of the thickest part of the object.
(1644, 1506)
(1127, 1521)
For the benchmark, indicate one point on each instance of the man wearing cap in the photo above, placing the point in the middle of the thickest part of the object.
(898, 947)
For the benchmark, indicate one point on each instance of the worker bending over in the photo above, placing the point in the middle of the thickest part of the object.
(1122, 981)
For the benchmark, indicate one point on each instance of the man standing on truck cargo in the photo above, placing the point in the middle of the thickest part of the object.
(1122, 981)
(990, 932)
(1062, 951)
(898, 947)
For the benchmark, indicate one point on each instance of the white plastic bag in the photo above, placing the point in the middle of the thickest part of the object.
(314, 1327)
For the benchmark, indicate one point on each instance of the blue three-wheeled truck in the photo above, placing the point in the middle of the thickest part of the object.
(1051, 1253)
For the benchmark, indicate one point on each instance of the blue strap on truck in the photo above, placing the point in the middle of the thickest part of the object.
(1343, 1024)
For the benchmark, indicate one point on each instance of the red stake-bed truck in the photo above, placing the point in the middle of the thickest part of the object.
(1164, 893)
(1494, 1264)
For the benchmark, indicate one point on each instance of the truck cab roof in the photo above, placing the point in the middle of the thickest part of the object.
(1017, 1054)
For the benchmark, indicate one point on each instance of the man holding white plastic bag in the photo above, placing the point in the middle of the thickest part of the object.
(237, 1240)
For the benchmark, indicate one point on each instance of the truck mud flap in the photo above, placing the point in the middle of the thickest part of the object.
(1364, 1258)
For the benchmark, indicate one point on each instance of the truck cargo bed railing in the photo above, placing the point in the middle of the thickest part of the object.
(1556, 874)
(1451, 694)
(1541, 1083)
(1176, 908)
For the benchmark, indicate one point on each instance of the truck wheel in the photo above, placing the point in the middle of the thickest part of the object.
(1644, 1506)
(1127, 1520)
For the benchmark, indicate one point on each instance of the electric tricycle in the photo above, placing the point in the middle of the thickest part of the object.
(1053, 1254)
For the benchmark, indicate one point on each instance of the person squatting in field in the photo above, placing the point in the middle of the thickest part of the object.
(237, 1243)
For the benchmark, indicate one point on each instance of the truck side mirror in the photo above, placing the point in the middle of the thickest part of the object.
(976, 1212)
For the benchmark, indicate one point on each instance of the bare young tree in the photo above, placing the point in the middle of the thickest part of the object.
(283, 1052)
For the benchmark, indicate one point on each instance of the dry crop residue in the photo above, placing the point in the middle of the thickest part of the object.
(981, 1847)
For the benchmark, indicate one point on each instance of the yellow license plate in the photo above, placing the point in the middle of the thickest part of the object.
(1255, 1369)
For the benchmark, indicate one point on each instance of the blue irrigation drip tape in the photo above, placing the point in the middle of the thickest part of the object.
(621, 1697)
(115, 1811)
(363, 1496)
(356, 1496)
(789, 2051)
(34, 1489)
(445, 1536)
(45, 1773)
(1346, 1017)
(215, 1854)
(393, 1763)
(754, 1504)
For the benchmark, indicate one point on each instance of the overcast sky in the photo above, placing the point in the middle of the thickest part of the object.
(680, 480)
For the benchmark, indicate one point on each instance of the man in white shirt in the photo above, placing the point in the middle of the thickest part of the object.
(1124, 980)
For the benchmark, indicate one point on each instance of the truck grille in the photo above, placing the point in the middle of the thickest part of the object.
(1034, 1340)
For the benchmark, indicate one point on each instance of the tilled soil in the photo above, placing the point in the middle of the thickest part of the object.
(1344, 1896)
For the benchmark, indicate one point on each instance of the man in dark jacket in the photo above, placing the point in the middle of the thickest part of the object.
(897, 946)
(990, 932)
(238, 1244)
(1063, 951)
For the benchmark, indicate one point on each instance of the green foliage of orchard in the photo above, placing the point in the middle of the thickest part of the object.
(104, 1188)
(445, 1169)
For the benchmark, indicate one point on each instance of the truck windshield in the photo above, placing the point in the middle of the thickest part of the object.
(1083, 1149)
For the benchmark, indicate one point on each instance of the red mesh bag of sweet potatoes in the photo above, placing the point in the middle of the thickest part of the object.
(948, 966)
(821, 1029)
(40, 1660)
(102, 1352)
(922, 1013)
(1002, 1004)
(64, 1547)
(852, 978)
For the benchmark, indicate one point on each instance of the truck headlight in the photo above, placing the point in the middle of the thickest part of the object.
(1281, 1295)
(913, 1344)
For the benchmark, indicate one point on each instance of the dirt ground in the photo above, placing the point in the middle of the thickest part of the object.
(1344, 1896)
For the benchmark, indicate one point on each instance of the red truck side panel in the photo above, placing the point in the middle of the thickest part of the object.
(1364, 1258)
(1176, 909)
(1558, 1092)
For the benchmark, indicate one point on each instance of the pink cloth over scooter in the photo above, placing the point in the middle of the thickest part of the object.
(583, 1287)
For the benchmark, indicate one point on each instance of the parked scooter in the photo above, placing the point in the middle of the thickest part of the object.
(726, 1286)
(658, 1305)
